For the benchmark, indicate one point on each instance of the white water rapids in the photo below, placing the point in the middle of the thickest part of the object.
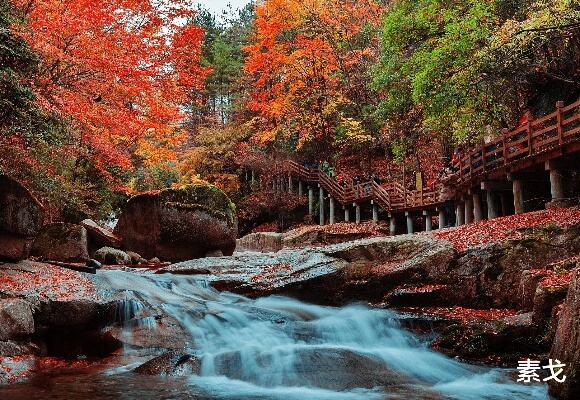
(280, 348)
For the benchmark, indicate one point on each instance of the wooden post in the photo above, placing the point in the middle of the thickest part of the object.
(392, 224)
(300, 188)
(492, 210)
(477, 209)
(321, 205)
(530, 133)
(518, 196)
(559, 106)
(310, 200)
(504, 133)
(357, 213)
(469, 210)
(346, 214)
(331, 211)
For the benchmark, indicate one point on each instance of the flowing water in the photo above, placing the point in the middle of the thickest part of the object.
(275, 348)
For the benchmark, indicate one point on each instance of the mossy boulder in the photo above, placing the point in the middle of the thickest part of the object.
(179, 224)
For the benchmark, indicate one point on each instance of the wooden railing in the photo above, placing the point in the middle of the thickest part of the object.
(524, 142)
(535, 137)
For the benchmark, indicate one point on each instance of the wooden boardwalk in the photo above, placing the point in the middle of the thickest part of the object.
(531, 145)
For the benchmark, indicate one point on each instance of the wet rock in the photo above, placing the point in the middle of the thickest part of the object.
(59, 298)
(418, 296)
(337, 274)
(155, 260)
(315, 235)
(21, 217)
(328, 368)
(491, 275)
(15, 319)
(265, 242)
(527, 289)
(214, 253)
(61, 242)
(12, 348)
(163, 333)
(136, 258)
(110, 256)
(179, 224)
(100, 236)
(171, 364)
(545, 299)
(506, 339)
(566, 347)
(94, 264)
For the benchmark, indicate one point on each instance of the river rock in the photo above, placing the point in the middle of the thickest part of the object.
(110, 256)
(15, 319)
(566, 347)
(21, 217)
(360, 270)
(61, 242)
(179, 224)
(265, 242)
(171, 363)
(100, 236)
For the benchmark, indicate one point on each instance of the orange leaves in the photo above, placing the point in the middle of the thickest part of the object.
(505, 228)
(304, 63)
(119, 69)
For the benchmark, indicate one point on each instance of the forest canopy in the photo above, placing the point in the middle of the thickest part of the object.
(99, 100)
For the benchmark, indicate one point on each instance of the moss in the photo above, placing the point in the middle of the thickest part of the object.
(206, 197)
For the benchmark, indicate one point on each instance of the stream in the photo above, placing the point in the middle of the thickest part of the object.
(271, 348)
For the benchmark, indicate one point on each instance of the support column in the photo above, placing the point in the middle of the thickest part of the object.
(518, 196)
(428, 221)
(504, 203)
(469, 210)
(290, 184)
(492, 210)
(357, 213)
(321, 203)
(300, 188)
(392, 224)
(331, 211)
(346, 214)
(375, 213)
(253, 177)
(477, 209)
(459, 214)
(442, 219)
(557, 184)
(310, 200)
(409, 222)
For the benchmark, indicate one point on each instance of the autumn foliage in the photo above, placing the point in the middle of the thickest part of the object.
(119, 70)
(307, 68)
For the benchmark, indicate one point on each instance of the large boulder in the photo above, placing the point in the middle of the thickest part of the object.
(61, 242)
(566, 347)
(99, 236)
(21, 217)
(15, 319)
(179, 224)
(110, 256)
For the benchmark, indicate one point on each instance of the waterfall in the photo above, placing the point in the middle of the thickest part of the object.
(281, 348)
